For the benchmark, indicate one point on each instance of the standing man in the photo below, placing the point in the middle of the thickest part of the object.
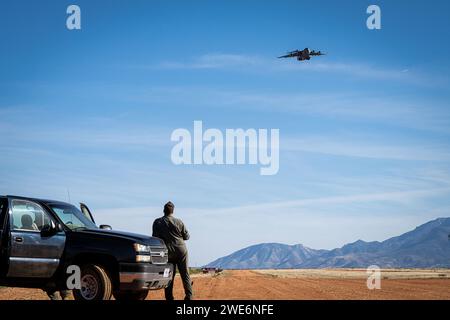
(174, 233)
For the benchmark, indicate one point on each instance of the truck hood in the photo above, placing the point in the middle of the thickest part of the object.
(139, 238)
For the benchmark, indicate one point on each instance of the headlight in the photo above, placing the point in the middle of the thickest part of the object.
(141, 248)
(143, 258)
(142, 252)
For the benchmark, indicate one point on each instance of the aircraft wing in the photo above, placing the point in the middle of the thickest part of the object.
(290, 55)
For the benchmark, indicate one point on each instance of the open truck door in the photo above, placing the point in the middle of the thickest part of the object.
(87, 213)
(36, 240)
(85, 210)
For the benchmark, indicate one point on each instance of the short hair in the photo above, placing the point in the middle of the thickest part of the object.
(168, 208)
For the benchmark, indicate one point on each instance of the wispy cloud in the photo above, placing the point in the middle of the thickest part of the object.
(261, 63)
(125, 137)
(215, 61)
(396, 110)
(301, 206)
(353, 69)
(356, 147)
(116, 135)
(270, 208)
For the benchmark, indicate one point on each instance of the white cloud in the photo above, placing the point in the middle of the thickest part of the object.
(356, 147)
(215, 61)
(256, 62)
(119, 135)
(400, 196)
(400, 111)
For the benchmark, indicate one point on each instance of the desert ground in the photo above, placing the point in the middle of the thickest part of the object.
(348, 284)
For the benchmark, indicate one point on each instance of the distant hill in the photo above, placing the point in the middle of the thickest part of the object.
(268, 255)
(427, 246)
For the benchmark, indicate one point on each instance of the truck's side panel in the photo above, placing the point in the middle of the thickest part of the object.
(34, 255)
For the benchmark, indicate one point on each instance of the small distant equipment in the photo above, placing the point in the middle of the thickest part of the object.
(211, 270)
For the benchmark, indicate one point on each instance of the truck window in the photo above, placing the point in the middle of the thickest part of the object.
(27, 215)
(72, 217)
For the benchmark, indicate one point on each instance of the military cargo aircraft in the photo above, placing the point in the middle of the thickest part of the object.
(302, 55)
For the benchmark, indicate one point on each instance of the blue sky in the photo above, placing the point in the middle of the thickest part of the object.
(364, 130)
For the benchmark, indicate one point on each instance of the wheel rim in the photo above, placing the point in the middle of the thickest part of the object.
(89, 287)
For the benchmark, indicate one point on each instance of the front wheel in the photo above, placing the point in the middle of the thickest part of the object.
(95, 284)
(130, 295)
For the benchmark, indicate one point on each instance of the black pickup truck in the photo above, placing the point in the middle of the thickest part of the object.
(41, 239)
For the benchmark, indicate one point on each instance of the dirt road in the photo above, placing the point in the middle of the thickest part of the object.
(247, 284)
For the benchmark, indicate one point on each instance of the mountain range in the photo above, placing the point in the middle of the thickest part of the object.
(427, 246)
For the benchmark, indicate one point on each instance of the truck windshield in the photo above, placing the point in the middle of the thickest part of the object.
(72, 217)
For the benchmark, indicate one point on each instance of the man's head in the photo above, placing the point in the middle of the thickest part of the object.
(168, 208)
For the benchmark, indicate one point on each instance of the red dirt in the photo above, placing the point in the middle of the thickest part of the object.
(247, 284)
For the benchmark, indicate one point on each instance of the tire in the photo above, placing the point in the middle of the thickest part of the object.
(95, 284)
(130, 295)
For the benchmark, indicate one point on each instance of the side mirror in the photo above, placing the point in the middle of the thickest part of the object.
(105, 227)
(49, 229)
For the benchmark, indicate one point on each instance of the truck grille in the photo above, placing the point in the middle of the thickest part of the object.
(159, 255)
